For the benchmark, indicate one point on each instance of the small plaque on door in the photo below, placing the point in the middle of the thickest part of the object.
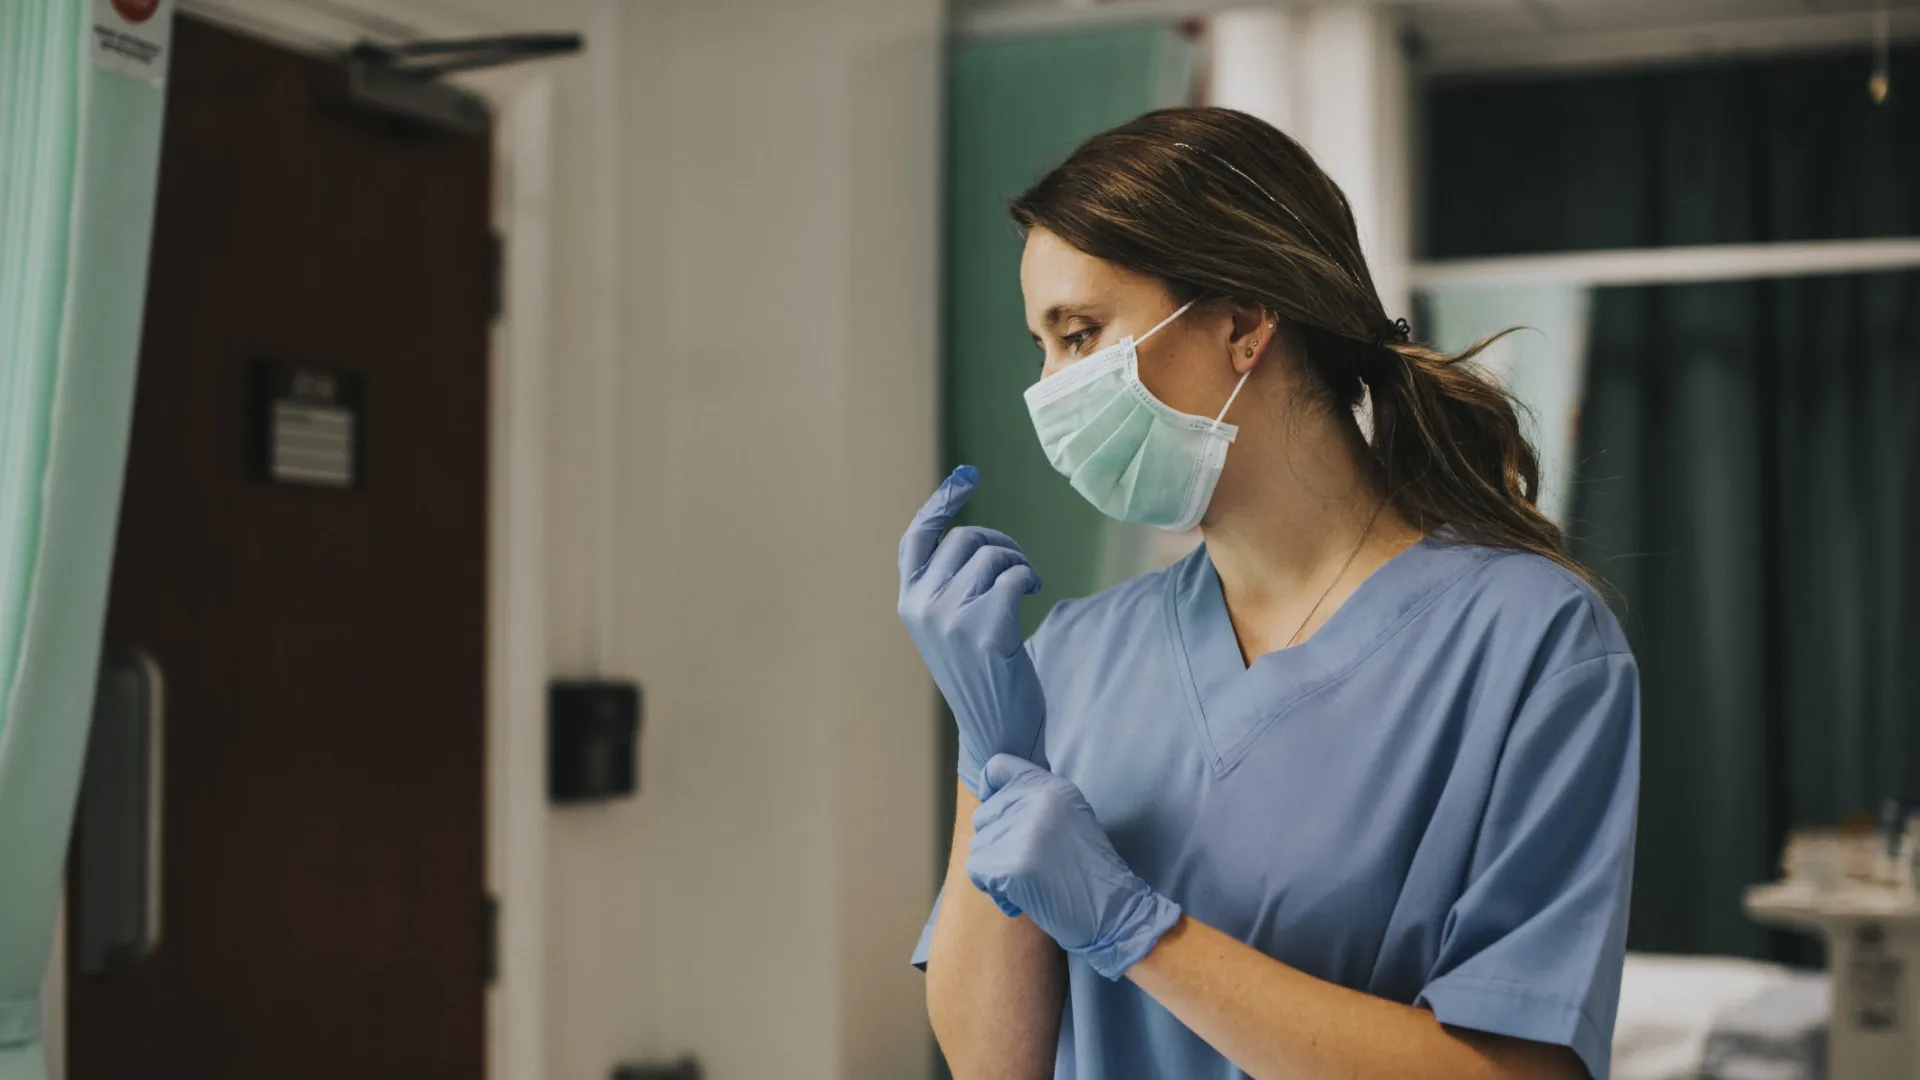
(309, 426)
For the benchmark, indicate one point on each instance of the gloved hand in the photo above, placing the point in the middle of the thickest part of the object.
(1038, 849)
(960, 598)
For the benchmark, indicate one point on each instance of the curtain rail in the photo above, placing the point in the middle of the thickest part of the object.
(1665, 266)
(1629, 47)
(1029, 19)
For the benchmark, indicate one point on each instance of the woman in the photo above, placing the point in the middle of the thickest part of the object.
(1347, 792)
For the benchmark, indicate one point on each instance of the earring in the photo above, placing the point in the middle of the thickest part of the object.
(1249, 352)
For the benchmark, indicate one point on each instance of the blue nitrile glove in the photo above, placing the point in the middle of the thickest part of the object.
(1038, 849)
(960, 598)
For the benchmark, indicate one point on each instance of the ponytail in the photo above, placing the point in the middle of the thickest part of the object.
(1220, 205)
(1447, 441)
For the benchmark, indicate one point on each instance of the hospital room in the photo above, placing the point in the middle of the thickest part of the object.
(924, 539)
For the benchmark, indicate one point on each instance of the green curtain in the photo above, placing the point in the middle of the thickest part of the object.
(80, 113)
(1543, 365)
(1015, 108)
(1749, 477)
(1753, 487)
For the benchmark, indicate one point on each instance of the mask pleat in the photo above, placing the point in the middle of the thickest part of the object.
(1131, 455)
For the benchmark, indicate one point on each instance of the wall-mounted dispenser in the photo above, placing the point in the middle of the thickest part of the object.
(593, 740)
(685, 1069)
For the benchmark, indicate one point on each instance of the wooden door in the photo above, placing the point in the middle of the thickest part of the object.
(321, 647)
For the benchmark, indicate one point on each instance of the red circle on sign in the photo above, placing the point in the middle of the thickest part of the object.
(136, 11)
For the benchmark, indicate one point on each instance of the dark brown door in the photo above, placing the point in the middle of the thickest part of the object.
(321, 647)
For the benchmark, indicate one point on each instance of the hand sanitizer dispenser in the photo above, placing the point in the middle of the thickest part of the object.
(593, 737)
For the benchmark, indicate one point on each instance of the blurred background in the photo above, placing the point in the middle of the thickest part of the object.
(498, 666)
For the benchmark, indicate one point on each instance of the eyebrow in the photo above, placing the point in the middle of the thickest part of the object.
(1058, 314)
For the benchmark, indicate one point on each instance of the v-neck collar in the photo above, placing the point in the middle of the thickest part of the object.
(1231, 701)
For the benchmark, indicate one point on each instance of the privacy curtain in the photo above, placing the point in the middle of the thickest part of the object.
(1748, 474)
(1543, 363)
(80, 111)
(1015, 108)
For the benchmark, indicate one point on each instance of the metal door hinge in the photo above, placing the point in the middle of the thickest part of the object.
(495, 279)
(489, 939)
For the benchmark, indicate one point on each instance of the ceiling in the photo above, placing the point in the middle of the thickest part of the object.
(1477, 34)
(1480, 35)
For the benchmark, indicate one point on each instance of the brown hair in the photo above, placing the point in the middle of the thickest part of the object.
(1221, 206)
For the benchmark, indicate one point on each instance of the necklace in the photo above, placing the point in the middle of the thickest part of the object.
(1342, 572)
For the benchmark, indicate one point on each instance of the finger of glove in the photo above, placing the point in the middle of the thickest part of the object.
(1003, 770)
(958, 546)
(986, 884)
(984, 567)
(1005, 804)
(995, 806)
(923, 534)
(1014, 582)
(987, 875)
(989, 817)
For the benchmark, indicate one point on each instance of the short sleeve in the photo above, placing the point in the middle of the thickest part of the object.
(1534, 946)
(924, 948)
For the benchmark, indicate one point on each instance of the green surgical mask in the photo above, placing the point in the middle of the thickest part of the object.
(1131, 455)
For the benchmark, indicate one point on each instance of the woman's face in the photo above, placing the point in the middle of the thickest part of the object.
(1078, 304)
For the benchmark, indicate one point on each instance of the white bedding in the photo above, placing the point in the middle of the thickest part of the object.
(1714, 1018)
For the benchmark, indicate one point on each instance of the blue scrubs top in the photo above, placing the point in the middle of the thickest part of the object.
(1430, 800)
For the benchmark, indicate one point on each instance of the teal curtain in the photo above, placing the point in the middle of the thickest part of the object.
(1748, 470)
(1015, 108)
(1754, 484)
(1543, 365)
(79, 154)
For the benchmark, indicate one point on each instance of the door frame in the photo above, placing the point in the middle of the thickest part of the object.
(516, 645)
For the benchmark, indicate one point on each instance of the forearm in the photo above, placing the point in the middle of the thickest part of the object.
(994, 984)
(1275, 1021)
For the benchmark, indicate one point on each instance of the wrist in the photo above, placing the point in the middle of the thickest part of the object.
(1148, 918)
(973, 767)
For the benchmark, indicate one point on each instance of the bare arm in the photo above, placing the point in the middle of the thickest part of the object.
(994, 984)
(1275, 1021)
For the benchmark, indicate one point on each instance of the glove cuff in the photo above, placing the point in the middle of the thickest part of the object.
(973, 773)
(1148, 917)
(973, 776)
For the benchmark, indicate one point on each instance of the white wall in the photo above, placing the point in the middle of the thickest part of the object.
(1335, 78)
(739, 417)
(738, 412)
(742, 419)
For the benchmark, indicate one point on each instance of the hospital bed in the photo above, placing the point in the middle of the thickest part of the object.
(1716, 1018)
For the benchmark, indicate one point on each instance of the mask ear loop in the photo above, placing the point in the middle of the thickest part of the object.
(1163, 322)
(1230, 397)
(1235, 394)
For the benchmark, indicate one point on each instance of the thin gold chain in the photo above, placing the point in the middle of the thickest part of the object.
(1342, 572)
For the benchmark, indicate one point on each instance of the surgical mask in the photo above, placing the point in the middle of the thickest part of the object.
(1131, 455)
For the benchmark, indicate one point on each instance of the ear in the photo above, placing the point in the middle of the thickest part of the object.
(1254, 330)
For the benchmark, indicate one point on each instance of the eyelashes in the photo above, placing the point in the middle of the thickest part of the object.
(1075, 342)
